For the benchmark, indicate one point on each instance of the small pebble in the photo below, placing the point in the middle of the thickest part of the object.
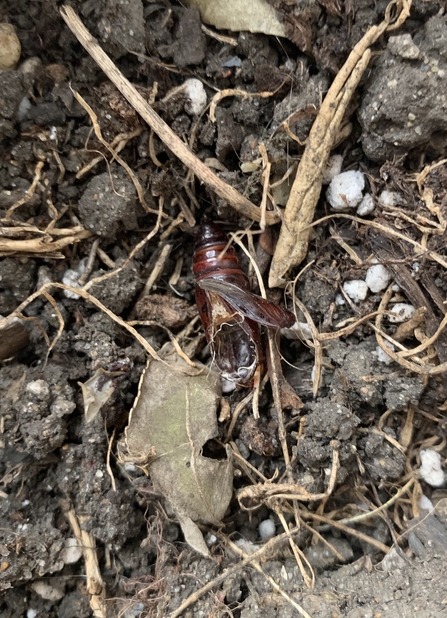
(333, 168)
(377, 278)
(402, 45)
(431, 471)
(31, 613)
(235, 61)
(267, 529)
(71, 277)
(366, 206)
(227, 386)
(243, 448)
(10, 48)
(134, 611)
(72, 551)
(356, 289)
(403, 312)
(39, 388)
(196, 94)
(346, 190)
(24, 107)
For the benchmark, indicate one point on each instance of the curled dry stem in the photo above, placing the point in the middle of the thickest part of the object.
(300, 558)
(268, 493)
(95, 584)
(417, 366)
(134, 251)
(113, 152)
(347, 530)
(29, 194)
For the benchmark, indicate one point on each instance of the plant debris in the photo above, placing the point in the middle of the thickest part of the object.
(172, 421)
(160, 488)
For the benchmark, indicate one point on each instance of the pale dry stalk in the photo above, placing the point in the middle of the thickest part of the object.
(299, 213)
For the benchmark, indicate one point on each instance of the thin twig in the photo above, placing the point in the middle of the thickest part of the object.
(261, 553)
(164, 132)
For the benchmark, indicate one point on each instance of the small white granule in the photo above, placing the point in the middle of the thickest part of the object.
(333, 168)
(425, 503)
(430, 470)
(38, 388)
(403, 312)
(267, 529)
(24, 107)
(345, 190)
(377, 278)
(366, 206)
(247, 546)
(382, 356)
(356, 289)
(210, 539)
(71, 277)
(340, 300)
(299, 330)
(31, 613)
(47, 591)
(72, 552)
(196, 94)
(227, 386)
(390, 198)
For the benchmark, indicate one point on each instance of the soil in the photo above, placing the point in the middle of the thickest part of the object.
(58, 179)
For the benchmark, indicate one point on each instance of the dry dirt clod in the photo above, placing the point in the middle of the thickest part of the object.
(413, 86)
(169, 311)
(109, 200)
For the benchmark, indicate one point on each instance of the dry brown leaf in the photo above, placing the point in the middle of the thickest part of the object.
(174, 416)
(251, 15)
(96, 392)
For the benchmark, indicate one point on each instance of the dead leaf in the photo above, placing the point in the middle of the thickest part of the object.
(174, 416)
(13, 337)
(96, 392)
(193, 535)
(251, 15)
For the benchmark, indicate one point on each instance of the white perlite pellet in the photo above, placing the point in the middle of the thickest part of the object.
(346, 190)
